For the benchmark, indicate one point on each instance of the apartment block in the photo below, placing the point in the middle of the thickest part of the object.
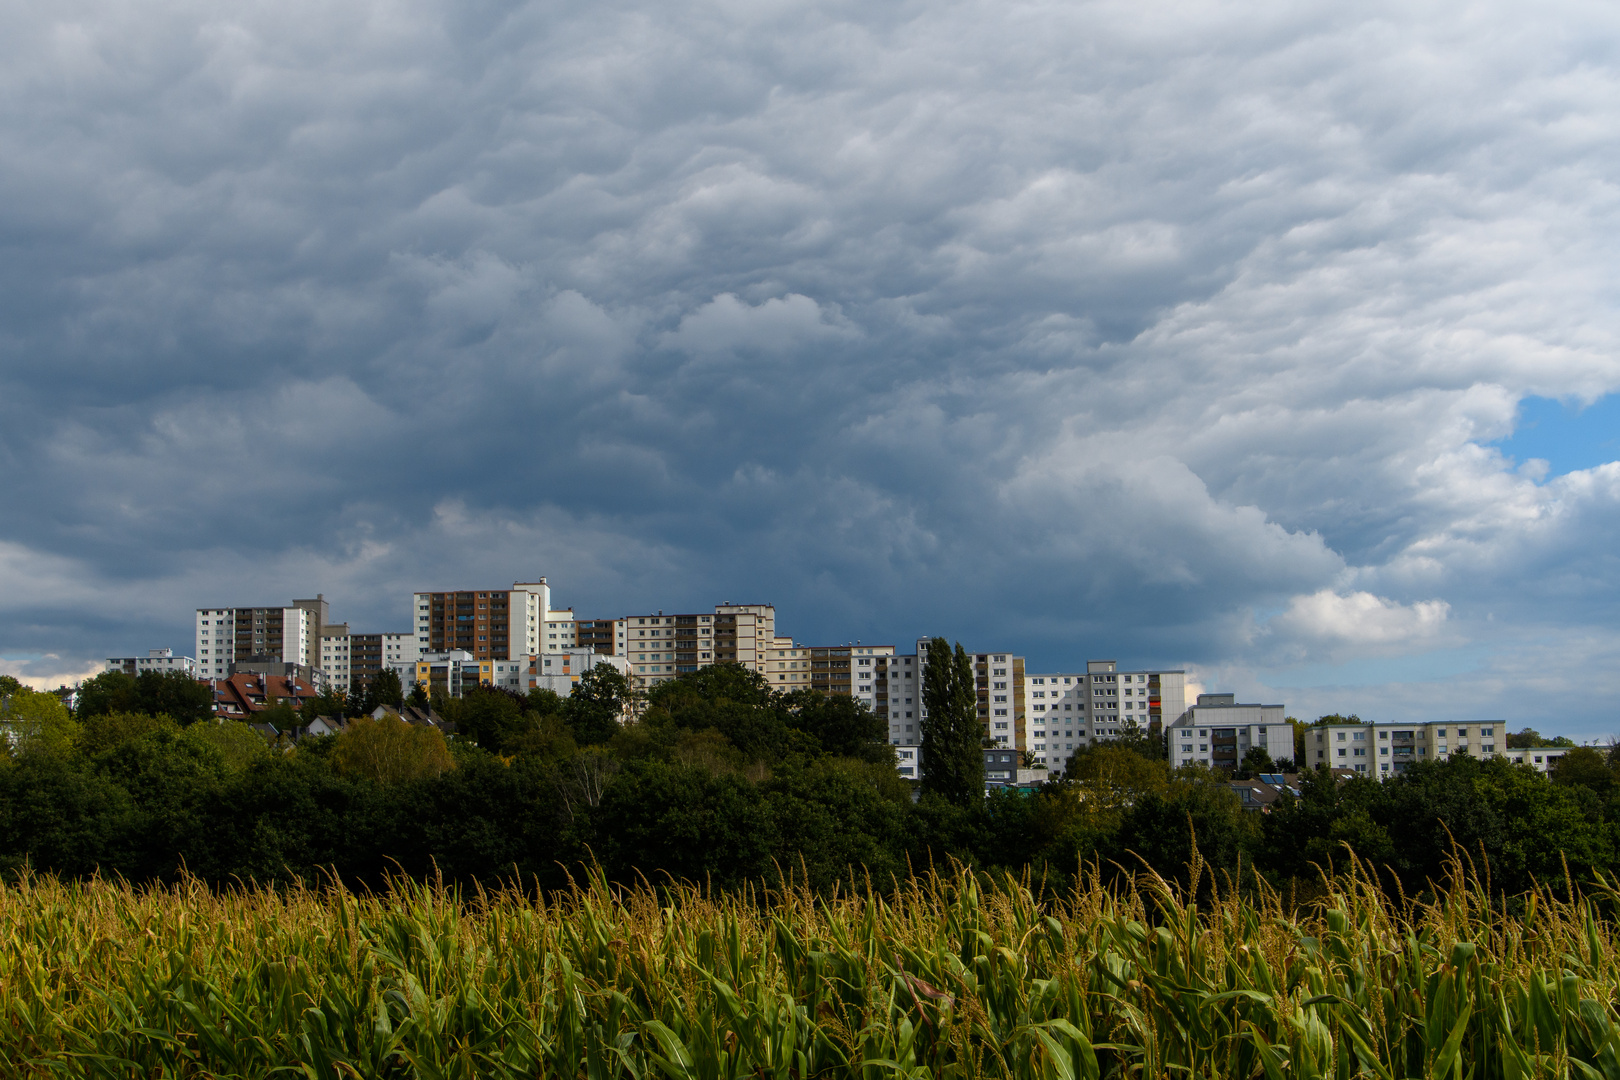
(561, 630)
(897, 697)
(352, 660)
(288, 635)
(559, 671)
(661, 647)
(158, 660)
(999, 687)
(334, 655)
(490, 624)
(1219, 730)
(605, 636)
(849, 670)
(1383, 750)
(1097, 706)
(788, 665)
(450, 672)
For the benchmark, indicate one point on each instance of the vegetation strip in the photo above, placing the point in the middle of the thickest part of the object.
(950, 974)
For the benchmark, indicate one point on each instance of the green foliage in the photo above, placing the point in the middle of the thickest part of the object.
(170, 693)
(329, 702)
(387, 750)
(1255, 761)
(544, 702)
(489, 717)
(383, 689)
(1585, 767)
(238, 745)
(34, 722)
(958, 975)
(101, 732)
(597, 704)
(840, 725)
(419, 696)
(952, 737)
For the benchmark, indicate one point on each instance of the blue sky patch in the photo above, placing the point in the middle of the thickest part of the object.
(1566, 435)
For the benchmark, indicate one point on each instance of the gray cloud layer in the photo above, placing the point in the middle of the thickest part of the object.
(1176, 333)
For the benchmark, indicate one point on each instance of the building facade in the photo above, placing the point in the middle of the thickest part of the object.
(1219, 730)
(491, 624)
(1383, 750)
(661, 647)
(158, 660)
(1069, 711)
(289, 635)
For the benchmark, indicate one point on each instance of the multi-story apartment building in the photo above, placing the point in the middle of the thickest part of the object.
(788, 665)
(287, 635)
(491, 624)
(849, 670)
(1219, 730)
(1383, 750)
(450, 672)
(897, 697)
(351, 660)
(661, 647)
(1116, 699)
(158, 660)
(999, 686)
(603, 635)
(1070, 711)
(559, 671)
(561, 630)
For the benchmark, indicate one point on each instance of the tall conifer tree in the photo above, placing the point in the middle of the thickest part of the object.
(952, 738)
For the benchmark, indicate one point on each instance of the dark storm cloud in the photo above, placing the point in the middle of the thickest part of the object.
(1171, 333)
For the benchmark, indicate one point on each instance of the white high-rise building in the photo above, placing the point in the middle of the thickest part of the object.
(287, 635)
(1069, 711)
(1219, 730)
(350, 660)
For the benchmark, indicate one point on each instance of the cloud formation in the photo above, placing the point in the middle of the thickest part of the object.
(1178, 336)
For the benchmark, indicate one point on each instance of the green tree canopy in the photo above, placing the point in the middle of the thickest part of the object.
(598, 704)
(238, 745)
(952, 737)
(170, 693)
(35, 722)
(842, 726)
(384, 689)
(390, 751)
(105, 731)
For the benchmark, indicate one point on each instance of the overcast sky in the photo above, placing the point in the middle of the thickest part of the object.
(1268, 340)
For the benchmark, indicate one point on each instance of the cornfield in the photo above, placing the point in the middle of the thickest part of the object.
(951, 974)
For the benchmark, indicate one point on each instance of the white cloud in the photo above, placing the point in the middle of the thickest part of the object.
(728, 325)
(1361, 619)
(1079, 327)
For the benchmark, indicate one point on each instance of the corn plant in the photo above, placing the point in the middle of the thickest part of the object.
(948, 975)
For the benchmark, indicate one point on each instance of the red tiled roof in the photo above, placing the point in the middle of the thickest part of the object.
(245, 694)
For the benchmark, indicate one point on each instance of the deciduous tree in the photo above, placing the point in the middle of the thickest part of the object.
(389, 751)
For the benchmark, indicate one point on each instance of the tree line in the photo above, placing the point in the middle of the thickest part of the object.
(723, 779)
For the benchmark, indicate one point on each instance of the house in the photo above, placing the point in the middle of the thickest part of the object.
(244, 695)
